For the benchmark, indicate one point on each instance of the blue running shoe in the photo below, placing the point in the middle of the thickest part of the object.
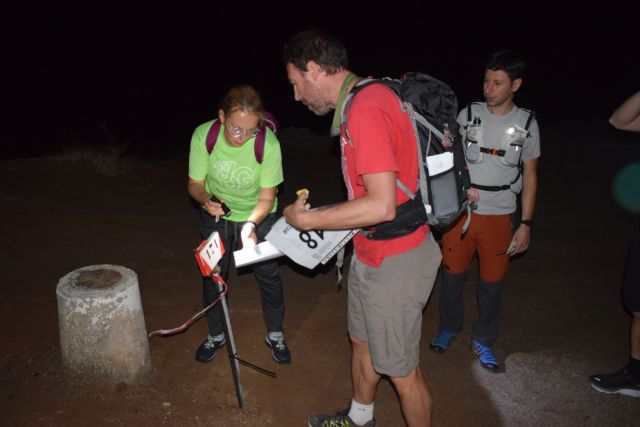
(485, 354)
(207, 350)
(279, 350)
(441, 343)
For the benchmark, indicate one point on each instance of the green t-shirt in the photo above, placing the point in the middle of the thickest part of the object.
(232, 173)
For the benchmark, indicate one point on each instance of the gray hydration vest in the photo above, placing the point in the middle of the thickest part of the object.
(510, 153)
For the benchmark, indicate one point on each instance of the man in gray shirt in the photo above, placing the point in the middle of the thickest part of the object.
(502, 147)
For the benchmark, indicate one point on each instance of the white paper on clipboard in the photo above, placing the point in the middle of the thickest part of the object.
(261, 252)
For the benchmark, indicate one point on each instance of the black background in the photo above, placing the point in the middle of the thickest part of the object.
(146, 75)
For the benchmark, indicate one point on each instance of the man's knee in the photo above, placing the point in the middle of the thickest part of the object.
(410, 380)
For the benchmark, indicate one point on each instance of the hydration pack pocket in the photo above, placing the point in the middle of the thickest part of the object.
(410, 215)
(446, 196)
(473, 142)
(472, 152)
(516, 137)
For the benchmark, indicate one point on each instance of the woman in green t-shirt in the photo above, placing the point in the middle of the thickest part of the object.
(230, 170)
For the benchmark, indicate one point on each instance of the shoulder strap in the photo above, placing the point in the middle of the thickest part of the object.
(347, 104)
(532, 116)
(258, 144)
(212, 135)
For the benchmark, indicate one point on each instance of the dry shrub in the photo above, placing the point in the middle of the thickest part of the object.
(107, 160)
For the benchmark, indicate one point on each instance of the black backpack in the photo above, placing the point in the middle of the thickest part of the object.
(443, 175)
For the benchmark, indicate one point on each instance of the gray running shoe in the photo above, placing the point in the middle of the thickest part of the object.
(338, 420)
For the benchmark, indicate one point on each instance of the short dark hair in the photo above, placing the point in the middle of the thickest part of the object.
(508, 62)
(315, 45)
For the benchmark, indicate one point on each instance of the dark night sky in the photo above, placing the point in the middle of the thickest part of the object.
(149, 75)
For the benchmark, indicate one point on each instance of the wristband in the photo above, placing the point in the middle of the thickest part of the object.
(527, 222)
(253, 224)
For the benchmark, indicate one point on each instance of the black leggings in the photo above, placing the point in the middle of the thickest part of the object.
(267, 273)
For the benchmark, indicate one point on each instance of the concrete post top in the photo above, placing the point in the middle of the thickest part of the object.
(96, 280)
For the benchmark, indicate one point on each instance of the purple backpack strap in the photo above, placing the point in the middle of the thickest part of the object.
(271, 123)
(258, 146)
(212, 135)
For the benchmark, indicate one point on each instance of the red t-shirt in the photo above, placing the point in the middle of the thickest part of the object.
(382, 141)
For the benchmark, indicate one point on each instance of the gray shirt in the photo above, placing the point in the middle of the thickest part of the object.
(492, 170)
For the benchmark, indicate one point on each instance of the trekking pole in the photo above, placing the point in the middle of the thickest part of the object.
(231, 348)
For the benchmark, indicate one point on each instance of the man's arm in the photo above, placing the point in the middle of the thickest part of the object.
(529, 192)
(627, 115)
(376, 206)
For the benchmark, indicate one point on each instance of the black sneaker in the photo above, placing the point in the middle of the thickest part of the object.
(207, 350)
(279, 350)
(617, 382)
(337, 420)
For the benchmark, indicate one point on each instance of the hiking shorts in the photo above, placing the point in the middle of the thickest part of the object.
(631, 279)
(489, 236)
(385, 306)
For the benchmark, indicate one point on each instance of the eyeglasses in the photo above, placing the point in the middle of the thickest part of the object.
(239, 132)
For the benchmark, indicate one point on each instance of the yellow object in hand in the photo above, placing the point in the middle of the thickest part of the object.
(301, 191)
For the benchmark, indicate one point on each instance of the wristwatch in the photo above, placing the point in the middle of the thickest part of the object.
(527, 222)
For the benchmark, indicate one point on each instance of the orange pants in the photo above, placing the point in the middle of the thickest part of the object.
(489, 236)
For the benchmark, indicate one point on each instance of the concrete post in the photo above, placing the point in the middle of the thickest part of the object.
(102, 329)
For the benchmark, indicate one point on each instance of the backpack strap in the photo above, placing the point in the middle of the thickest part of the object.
(212, 135)
(493, 151)
(347, 104)
(491, 187)
(258, 146)
(532, 116)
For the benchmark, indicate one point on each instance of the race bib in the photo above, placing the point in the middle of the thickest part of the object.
(307, 248)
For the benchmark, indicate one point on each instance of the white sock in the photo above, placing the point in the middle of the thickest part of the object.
(275, 336)
(218, 338)
(359, 413)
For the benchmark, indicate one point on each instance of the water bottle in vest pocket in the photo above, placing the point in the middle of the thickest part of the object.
(516, 135)
(473, 142)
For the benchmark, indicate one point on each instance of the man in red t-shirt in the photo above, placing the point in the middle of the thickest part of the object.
(389, 280)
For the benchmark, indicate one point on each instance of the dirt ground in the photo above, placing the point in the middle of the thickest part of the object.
(562, 314)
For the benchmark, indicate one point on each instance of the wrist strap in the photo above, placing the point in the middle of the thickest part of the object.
(527, 222)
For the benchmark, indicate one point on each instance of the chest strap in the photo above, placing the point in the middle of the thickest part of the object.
(495, 187)
(493, 151)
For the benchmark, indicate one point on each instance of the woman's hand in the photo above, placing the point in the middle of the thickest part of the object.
(213, 208)
(248, 235)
